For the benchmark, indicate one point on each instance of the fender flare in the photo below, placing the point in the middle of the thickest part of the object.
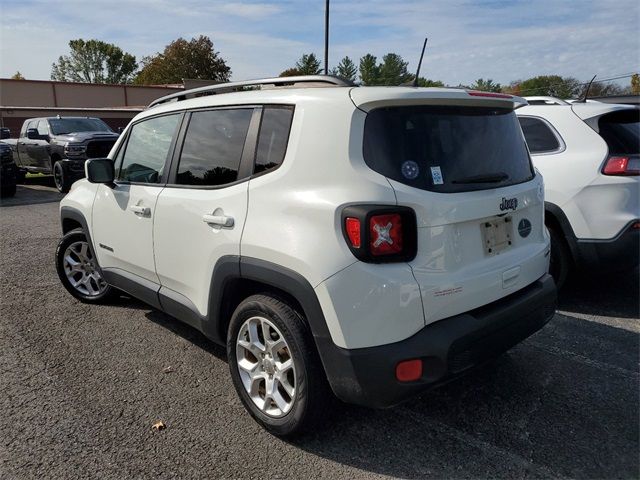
(565, 227)
(70, 213)
(231, 267)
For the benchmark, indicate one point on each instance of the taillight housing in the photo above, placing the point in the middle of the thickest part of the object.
(622, 165)
(380, 234)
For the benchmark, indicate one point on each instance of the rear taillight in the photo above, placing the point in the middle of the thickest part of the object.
(378, 234)
(620, 165)
(352, 226)
(385, 234)
(477, 93)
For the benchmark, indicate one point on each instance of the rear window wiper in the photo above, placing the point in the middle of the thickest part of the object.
(488, 178)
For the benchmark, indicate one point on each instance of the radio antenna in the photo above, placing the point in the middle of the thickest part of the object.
(586, 91)
(424, 46)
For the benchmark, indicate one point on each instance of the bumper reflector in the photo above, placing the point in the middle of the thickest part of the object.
(409, 370)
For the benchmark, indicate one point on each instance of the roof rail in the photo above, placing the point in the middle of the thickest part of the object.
(233, 86)
(545, 101)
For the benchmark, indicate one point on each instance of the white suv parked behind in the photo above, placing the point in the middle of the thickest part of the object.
(589, 155)
(370, 242)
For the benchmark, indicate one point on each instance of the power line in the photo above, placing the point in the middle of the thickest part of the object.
(617, 77)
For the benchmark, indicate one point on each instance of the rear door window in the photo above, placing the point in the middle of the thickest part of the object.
(621, 131)
(539, 135)
(447, 149)
(273, 138)
(213, 146)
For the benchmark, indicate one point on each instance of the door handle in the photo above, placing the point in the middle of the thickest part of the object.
(221, 220)
(140, 210)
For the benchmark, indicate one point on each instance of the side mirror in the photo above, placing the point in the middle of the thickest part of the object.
(5, 133)
(120, 129)
(100, 170)
(32, 134)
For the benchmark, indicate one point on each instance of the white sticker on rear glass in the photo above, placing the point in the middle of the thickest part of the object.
(436, 176)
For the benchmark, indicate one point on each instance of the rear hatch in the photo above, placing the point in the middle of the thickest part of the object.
(461, 163)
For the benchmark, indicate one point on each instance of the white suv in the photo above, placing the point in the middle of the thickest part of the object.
(370, 242)
(589, 155)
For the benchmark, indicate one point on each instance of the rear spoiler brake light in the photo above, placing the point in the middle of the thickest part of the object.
(477, 93)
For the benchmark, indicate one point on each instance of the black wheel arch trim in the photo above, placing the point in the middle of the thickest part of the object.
(565, 227)
(70, 213)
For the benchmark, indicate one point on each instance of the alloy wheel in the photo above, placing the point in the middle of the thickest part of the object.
(266, 367)
(82, 271)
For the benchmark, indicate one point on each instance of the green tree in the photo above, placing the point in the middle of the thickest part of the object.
(426, 82)
(182, 59)
(602, 89)
(17, 76)
(549, 85)
(486, 85)
(290, 72)
(308, 65)
(346, 69)
(393, 70)
(94, 61)
(635, 84)
(369, 70)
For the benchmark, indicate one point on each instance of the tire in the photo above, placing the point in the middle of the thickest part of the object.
(61, 177)
(308, 394)
(88, 285)
(560, 264)
(8, 191)
(21, 176)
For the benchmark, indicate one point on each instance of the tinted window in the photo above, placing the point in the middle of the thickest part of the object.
(538, 135)
(60, 126)
(147, 149)
(447, 149)
(621, 131)
(42, 128)
(213, 147)
(274, 135)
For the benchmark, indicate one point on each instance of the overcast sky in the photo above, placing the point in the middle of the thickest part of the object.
(468, 39)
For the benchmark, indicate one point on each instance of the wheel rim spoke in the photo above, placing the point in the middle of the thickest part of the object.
(81, 269)
(266, 367)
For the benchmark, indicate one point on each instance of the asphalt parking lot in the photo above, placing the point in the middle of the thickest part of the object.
(82, 385)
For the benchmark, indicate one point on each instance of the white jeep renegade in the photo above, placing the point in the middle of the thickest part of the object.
(366, 241)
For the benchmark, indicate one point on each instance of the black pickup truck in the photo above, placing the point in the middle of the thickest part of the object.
(60, 146)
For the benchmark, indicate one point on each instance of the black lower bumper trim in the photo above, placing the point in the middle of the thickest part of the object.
(616, 255)
(447, 348)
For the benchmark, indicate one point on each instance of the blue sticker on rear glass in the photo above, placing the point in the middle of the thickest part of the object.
(410, 170)
(436, 176)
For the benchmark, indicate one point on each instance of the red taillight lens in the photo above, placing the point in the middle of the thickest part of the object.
(352, 225)
(385, 234)
(476, 93)
(409, 370)
(621, 166)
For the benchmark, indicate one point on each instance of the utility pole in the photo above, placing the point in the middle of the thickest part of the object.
(326, 38)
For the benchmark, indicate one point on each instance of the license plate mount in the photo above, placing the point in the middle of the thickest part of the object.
(497, 235)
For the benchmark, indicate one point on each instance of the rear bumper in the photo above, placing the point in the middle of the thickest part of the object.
(618, 254)
(448, 347)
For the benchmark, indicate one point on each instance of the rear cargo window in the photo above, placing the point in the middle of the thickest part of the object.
(447, 149)
(539, 136)
(621, 131)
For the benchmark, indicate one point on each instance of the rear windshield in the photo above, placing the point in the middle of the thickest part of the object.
(621, 131)
(60, 126)
(447, 149)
